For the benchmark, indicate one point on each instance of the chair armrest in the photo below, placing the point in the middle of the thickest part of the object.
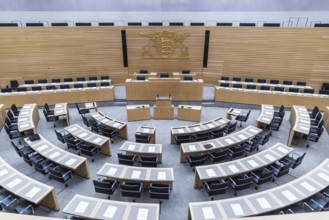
(295, 154)
(29, 206)
(229, 150)
(68, 173)
(254, 175)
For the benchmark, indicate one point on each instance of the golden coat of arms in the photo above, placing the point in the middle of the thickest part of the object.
(164, 44)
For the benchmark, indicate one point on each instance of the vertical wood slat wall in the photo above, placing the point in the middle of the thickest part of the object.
(298, 54)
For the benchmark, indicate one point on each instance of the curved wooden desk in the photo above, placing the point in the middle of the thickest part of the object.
(60, 109)
(140, 149)
(119, 126)
(93, 208)
(266, 201)
(26, 187)
(59, 156)
(144, 175)
(231, 140)
(326, 119)
(197, 128)
(28, 118)
(300, 122)
(3, 115)
(240, 166)
(91, 138)
(266, 116)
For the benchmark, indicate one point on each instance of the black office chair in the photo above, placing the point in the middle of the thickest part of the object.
(280, 112)
(217, 133)
(68, 80)
(141, 138)
(249, 80)
(231, 127)
(251, 146)
(107, 132)
(159, 191)
(25, 150)
(214, 188)
(240, 183)
(238, 79)
(105, 186)
(29, 82)
(264, 137)
(301, 83)
(61, 175)
(12, 117)
(129, 160)
(11, 126)
(32, 158)
(42, 81)
(133, 190)
(243, 117)
(274, 81)
(309, 91)
(225, 78)
(164, 75)
(50, 118)
(14, 84)
(51, 87)
(236, 152)
(237, 85)
(295, 158)
(105, 77)
(14, 109)
(318, 118)
(91, 85)
(92, 78)
(287, 82)
(61, 136)
(5, 90)
(186, 72)
(217, 156)
(25, 208)
(149, 161)
(21, 89)
(224, 85)
(266, 88)
(88, 150)
(81, 79)
(56, 80)
(104, 84)
(81, 110)
(36, 88)
(293, 89)
(179, 139)
(251, 86)
(276, 123)
(143, 71)
(9, 203)
(188, 78)
(43, 167)
(94, 125)
(262, 176)
(72, 143)
(78, 85)
(316, 204)
(279, 88)
(261, 80)
(197, 160)
(203, 136)
(85, 120)
(313, 136)
(317, 128)
(324, 92)
(280, 169)
(140, 78)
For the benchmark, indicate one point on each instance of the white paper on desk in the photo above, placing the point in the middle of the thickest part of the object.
(266, 119)
(283, 150)
(110, 211)
(269, 157)
(307, 186)
(237, 209)
(59, 111)
(42, 147)
(222, 121)
(27, 106)
(104, 120)
(253, 130)
(263, 203)
(210, 172)
(268, 107)
(3, 172)
(253, 163)
(323, 176)
(89, 105)
(151, 149)
(14, 183)
(24, 113)
(131, 147)
(162, 175)
(291, 197)
(229, 141)
(211, 125)
(192, 147)
(82, 134)
(305, 121)
(136, 174)
(208, 213)
(72, 129)
(32, 192)
(233, 168)
(302, 109)
(180, 130)
(81, 208)
(111, 171)
(268, 113)
(24, 126)
(53, 155)
(142, 214)
(303, 127)
(146, 130)
(59, 105)
(242, 136)
(22, 119)
(197, 129)
(116, 124)
(70, 161)
(97, 140)
(304, 115)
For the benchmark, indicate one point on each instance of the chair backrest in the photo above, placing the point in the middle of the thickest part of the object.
(149, 161)
(29, 81)
(266, 176)
(142, 138)
(59, 136)
(143, 71)
(237, 85)
(188, 78)
(4, 90)
(164, 75)
(287, 82)
(36, 88)
(243, 182)
(105, 77)
(249, 80)
(64, 86)
(131, 190)
(238, 79)
(85, 121)
(225, 78)
(16, 149)
(105, 186)
(310, 91)
(298, 161)
(285, 169)
(158, 191)
(224, 85)
(197, 160)
(21, 89)
(14, 108)
(91, 78)
(140, 78)
(56, 80)
(293, 90)
(185, 71)
(42, 81)
(279, 88)
(105, 84)
(301, 83)
(251, 86)
(78, 85)
(261, 80)
(126, 159)
(14, 84)
(265, 88)
(68, 80)
(81, 79)
(51, 87)
(274, 81)
(91, 84)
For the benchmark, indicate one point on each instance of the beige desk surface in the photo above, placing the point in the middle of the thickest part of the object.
(91, 138)
(148, 130)
(138, 112)
(133, 107)
(241, 166)
(231, 140)
(3, 115)
(258, 97)
(52, 97)
(266, 114)
(60, 109)
(266, 201)
(28, 118)
(302, 121)
(57, 85)
(326, 119)
(142, 149)
(26, 187)
(93, 208)
(59, 156)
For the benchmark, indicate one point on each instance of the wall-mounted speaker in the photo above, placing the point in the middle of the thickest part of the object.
(206, 49)
(124, 48)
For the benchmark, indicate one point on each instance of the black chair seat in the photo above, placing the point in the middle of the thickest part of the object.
(149, 161)
(217, 156)
(127, 159)
(133, 190)
(214, 188)
(159, 191)
(61, 175)
(105, 186)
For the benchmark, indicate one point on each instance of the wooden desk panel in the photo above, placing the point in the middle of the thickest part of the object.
(258, 97)
(60, 109)
(28, 118)
(58, 96)
(59, 156)
(300, 122)
(164, 112)
(326, 118)
(179, 90)
(189, 113)
(26, 187)
(139, 149)
(147, 130)
(266, 116)
(266, 201)
(3, 115)
(138, 112)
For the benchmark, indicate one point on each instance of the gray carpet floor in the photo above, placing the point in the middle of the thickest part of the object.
(183, 192)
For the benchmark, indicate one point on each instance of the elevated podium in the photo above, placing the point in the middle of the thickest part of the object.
(163, 108)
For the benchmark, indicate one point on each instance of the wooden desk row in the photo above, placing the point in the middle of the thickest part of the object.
(139, 149)
(26, 187)
(258, 85)
(300, 122)
(57, 96)
(3, 115)
(143, 175)
(258, 97)
(266, 201)
(197, 128)
(266, 116)
(240, 166)
(179, 90)
(28, 118)
(91, 138)
(149, 131)
(93, 208)
(60, 109)
(326, 119)
(119, 126)
(70, 161)
(231, 140)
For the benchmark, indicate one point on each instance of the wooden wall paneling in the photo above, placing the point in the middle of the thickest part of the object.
(194, 42)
